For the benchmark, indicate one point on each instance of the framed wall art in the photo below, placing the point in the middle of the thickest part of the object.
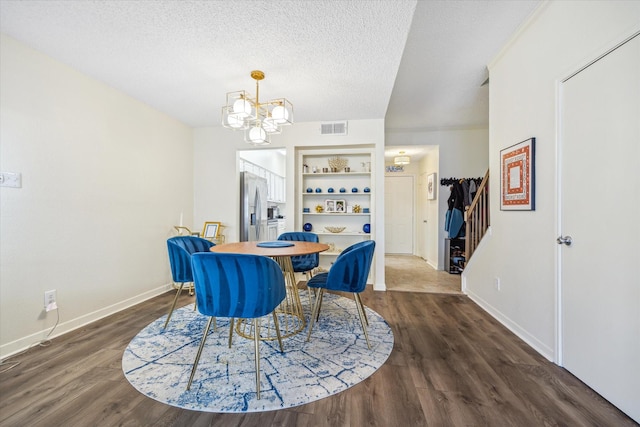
(211, 230)
(517, 177)
(431, 186)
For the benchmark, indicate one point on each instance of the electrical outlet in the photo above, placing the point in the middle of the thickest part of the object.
(496, 283)
(50, 300)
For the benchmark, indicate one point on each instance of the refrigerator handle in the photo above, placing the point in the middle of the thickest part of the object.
(258, 214)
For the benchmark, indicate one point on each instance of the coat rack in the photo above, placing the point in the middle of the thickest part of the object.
(451, 181)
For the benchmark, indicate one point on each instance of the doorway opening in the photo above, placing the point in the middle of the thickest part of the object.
(412, 223)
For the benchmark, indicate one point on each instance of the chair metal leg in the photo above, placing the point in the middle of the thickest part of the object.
(277, 325)
(363, 310)
(195, 302)
(362, 317)
(309, 275)
(256, 340)
(231, 332)
(195, 363)
(316, 312)
(173, 306)
(319, 295)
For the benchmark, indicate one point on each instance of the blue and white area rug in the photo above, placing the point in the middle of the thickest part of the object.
(158, 363)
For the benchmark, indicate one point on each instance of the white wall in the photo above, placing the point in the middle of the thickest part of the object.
(217, 181)
(104, 179)
(462, 154)
(521, 249)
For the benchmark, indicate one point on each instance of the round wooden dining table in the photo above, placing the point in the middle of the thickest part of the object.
(290, 312)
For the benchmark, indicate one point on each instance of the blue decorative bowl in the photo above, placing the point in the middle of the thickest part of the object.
(305, 210)
(318, 190)
(354, 190)
(307, 226)
(343, 190)
(309, 190)
(366, 228)
(330, 190)
(366, 189)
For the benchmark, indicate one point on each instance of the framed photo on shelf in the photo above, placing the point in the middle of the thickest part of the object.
(517, 176)
(211, 230)
(335, 206)
(431, 186)
(329, 205)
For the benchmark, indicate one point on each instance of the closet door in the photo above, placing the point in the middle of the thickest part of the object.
(398, 214)
(600, 212)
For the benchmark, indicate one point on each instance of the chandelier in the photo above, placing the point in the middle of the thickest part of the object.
(258, 120)
(401, 159)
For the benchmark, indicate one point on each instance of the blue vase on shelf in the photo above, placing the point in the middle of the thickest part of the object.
(354, 190)
(343, 190)
(366, 228)
(307, 227)
(330, 190)
(309, 190)
(318, 190)
(366, 189)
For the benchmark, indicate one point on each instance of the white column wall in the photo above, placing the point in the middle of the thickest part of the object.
(104, 179)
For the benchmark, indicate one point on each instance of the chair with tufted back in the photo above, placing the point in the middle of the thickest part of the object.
(348, 273)
(180, 250)
(303, 263)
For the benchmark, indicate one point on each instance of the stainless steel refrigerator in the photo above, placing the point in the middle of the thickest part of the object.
(253, 207)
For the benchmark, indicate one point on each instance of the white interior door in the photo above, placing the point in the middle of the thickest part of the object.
(398, 214)
(600, 211)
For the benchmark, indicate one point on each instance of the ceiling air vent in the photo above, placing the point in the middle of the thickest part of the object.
(335, 128)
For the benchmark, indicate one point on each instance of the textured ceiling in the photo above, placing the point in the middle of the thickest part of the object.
(333, 59)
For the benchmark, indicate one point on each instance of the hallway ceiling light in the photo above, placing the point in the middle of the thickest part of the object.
(258, 120)
(401, 159)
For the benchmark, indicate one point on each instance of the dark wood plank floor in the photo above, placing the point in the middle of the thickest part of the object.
(452, 365)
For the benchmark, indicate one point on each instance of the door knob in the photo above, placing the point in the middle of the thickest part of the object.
(564, 240)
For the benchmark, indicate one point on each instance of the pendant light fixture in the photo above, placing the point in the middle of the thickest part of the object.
(401, 160)
(258, 120)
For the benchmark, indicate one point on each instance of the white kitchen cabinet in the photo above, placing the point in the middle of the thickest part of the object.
(276, 191)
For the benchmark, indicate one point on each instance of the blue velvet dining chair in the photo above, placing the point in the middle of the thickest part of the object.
(180, 250)
(348, 273)
(237, 286)
(303, 263)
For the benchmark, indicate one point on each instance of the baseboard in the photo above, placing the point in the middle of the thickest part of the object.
(532, 341)
(24, 343)
(379, 286)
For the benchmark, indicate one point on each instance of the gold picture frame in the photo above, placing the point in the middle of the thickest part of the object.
(211, 230)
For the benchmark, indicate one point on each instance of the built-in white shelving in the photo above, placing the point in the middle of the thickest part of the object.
(312, 192)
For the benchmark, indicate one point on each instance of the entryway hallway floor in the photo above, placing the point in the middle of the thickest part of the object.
(408, 273)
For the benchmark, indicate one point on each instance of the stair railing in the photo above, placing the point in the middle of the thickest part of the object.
(478, 220)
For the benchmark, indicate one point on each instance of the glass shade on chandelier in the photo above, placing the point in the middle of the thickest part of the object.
(258, 120)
